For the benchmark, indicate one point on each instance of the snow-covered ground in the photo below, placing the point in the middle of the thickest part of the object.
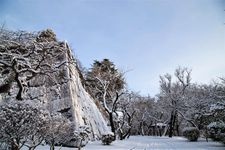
(152, 143)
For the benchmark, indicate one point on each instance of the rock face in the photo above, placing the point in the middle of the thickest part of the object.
(75, 103)
(67, 97)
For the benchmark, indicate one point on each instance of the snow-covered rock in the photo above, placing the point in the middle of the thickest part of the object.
(74, 102)
(67, 97)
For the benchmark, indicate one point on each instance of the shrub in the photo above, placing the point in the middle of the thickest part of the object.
(216, 131)
(4, 146)
(191, 133)
(22, 122)
(82, 136)
(108, 138)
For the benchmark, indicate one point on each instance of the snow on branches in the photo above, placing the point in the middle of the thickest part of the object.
(25, 58)
(22, 122)
(28, 124)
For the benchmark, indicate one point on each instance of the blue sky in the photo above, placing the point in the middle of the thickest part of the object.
(147, 37)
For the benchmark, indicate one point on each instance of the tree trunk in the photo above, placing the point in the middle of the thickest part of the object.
(32, 148)
(174, 122)
(52, 147)
(171, 124)
(160, 131)
(177, 129)
(142, 129)
(14, 146)
(127, 134)
(112, 124)
(19, 94)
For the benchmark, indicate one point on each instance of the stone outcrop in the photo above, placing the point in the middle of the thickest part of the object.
(75, 103)
(68, 96)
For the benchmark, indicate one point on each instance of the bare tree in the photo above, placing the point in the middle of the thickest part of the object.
(174, 95)
(114, 103)
(125, 115)
(105, 83)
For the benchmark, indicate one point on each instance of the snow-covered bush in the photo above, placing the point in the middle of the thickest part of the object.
(191, 133)
(58, 130)
(19, 121)
(4, 146)
(108, 138)
(81, 136)
(216, 131)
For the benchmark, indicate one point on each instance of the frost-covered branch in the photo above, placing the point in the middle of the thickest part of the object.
(29, 56)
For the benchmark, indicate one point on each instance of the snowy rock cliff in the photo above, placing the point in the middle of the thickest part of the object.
(43, 69)
(75, 103)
